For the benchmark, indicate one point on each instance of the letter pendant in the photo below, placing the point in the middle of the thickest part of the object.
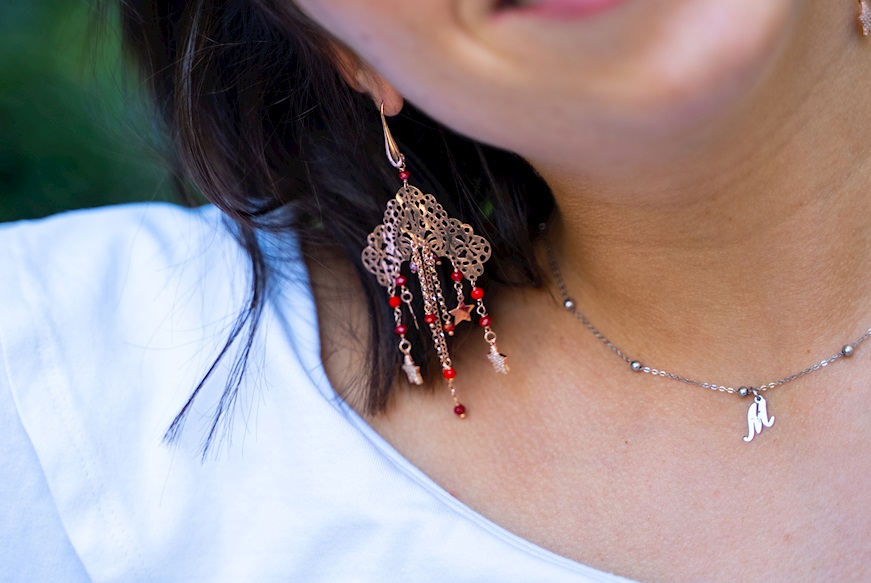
(757, 417)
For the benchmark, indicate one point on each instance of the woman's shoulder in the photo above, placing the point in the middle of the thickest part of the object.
(137, 296)
(109, 318)
(109, 271)
(77, 244)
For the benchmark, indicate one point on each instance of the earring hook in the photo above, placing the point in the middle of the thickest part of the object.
(393, 154)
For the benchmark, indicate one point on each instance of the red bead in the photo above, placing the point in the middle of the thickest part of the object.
(459, 410)
(477, 293)
(395, 301)
(448, 327)
(400, 281)
(404, 175)
(449, 373)
(400, 329)
(485, 321)
(430, 319)
(457, 276)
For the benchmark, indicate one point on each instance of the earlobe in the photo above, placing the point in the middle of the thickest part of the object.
(360, 76)
(380, 90)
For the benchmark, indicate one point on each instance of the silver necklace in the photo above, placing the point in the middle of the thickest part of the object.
(757, 414)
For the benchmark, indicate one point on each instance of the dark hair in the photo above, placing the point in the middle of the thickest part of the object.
(261, 122)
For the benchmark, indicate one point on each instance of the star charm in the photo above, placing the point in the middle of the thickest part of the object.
(499, 360)
(412, 371)
(865, 17)
(461, 313)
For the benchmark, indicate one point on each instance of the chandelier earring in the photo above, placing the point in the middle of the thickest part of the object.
(408, 253)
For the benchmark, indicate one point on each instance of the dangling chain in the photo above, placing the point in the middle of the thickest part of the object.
(757, 415)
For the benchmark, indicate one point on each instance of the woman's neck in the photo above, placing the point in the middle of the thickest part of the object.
(752, 244)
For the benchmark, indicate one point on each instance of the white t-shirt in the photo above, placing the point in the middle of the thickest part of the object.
(108, 319)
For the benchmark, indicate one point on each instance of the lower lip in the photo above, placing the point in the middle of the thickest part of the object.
(564, 9)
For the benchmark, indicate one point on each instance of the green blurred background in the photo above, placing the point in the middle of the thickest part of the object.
(73, 129)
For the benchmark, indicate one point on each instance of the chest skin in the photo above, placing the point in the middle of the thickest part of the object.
(627, 473)
(662, 490)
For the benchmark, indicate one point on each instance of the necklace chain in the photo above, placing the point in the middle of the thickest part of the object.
(846, 351)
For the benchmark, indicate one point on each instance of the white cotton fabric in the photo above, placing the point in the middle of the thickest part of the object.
(108, 319)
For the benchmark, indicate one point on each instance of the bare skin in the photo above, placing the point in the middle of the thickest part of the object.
(713, 221)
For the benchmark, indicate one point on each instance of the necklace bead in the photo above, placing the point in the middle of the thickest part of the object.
(636, 366)
(847, 350)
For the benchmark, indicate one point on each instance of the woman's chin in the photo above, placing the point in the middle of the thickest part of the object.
(710, 55)
(695, 73)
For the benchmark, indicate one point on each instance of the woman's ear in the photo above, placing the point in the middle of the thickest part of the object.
(361, 77)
